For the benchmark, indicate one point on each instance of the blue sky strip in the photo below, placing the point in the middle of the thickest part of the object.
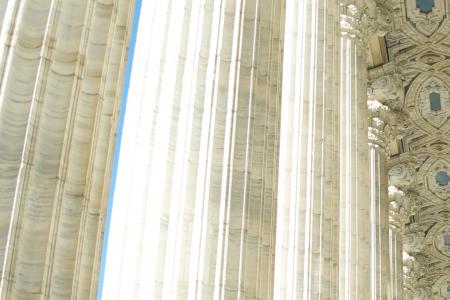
(112, 186)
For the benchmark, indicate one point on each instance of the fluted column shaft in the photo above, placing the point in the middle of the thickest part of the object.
(23, 43)
(307, 216)
(61, 76)
(379, 205)
(396, 263)
(193, 210)
(385, 124)
(354, 231)
(399, 211)
(379, 225)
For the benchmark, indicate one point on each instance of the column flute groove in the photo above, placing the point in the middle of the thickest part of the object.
(308, 182)
(204, 126)
(359, 20)
(20, 60)
(60, 92)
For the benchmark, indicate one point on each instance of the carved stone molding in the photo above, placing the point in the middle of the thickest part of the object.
(388, 90)
(425, 22)
(419, 141)
(402, 176)
(441, 287)
(438, 240)
(418, 49)
(428, 102)
(434, 86)
(423, 293)
(420, 159)
(433, 177)
(433, 184)
(413, 239)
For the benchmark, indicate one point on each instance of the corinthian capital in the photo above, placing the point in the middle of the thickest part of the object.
(362, 18)
(413, 239)
(413, 271)
(399, 208)
(387, 121)
(385, 125)
(388, 89)
(379, 133)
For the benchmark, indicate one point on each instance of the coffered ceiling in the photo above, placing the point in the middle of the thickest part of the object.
(418, 52)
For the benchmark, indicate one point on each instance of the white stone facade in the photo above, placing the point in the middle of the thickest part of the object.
(232, 149)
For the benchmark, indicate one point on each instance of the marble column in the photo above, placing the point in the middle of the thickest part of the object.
(398, 215)
(358, 22)
(306, 263)
(21, 45)
(61, 67)
(396, 264)
(379, 201)
(193, 210)
(387, 123)
(414, 266)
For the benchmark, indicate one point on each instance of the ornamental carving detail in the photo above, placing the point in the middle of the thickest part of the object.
(441, 287)
(402, 176)
(418, 50)
(442, 240)
(437, 241)
(388, 90)
(413, 242)
(434, 102)
(421, 293)
(425, 22)
(437, 179)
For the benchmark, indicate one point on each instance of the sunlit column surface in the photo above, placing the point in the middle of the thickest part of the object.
(386, 124)
(379, 202)
(23, 31)
(396, 264)
(398, 215)
(194, 205)
(61, 70)
(307, 254)
(354, 217)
